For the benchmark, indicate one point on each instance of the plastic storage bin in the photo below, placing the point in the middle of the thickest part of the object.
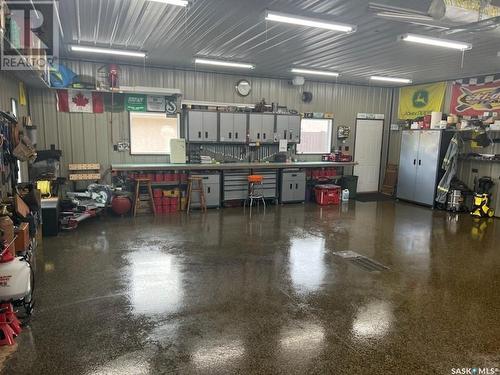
(327, 194)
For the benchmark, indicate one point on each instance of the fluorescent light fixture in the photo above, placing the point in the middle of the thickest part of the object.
(181, 3)
(224, 63)
(390, 79)
(107, 51)
(445, 43)
(311, 22)
(315, 72)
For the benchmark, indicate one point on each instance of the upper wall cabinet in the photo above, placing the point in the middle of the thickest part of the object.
(202, 126)
(288, 127)
(229, 127)
(233, 127)
(261, 128)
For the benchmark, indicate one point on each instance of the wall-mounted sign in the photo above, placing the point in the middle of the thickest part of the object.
(156, 103)
(135, 102)
(171, 105)
(370, 116)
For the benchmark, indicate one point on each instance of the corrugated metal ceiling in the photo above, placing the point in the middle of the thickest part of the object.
(236, 30)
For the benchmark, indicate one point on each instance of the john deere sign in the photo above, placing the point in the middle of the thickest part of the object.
(421, 100)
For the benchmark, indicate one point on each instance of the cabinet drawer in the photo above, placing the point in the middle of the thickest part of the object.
(209, 178)
(294, 176)
(235, 195)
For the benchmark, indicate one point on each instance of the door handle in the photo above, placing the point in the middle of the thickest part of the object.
(199, 134)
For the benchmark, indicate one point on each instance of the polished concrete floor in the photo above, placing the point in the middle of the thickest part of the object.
(225, 293)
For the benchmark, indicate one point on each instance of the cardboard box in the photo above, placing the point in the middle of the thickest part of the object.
(22, 240)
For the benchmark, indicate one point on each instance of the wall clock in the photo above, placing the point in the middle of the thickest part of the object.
(243, 87)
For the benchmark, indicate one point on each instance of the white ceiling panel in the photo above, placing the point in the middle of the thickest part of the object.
(236, 30)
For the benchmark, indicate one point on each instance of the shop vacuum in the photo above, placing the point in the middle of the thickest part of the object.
(16, 290)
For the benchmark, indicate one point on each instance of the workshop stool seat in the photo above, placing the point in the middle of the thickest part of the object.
(255, 190)
(195, 185)
(143, 182)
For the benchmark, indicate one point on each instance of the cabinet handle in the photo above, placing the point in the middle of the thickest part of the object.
(199, 134)
(208, 189)
(284, 134)
(236, 135)
(297, 186)
(206, 134)
(263, 135)
(414, 161)
(290, 135)
(230, 135)
(291, 186)
(258, 135)
(419, 162)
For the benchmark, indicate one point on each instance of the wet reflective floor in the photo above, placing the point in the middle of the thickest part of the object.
(225, 293)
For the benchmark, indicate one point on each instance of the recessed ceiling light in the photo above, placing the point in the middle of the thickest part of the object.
(390, 79)
(224, 63)
(107, 51)
(445, 43)
(181, 3)
(315, 72)
(311, 22)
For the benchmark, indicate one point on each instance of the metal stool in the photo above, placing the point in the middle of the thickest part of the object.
(195, 185)
(255, 191)
(143, 182)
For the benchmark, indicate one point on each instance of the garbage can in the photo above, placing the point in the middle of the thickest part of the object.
(350, 183)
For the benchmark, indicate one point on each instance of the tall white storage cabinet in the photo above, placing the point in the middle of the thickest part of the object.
(422, 153)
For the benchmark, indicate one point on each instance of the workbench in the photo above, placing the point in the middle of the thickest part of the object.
(229, 181)
(226, 166)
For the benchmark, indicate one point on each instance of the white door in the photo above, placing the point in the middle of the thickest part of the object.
(367, 153)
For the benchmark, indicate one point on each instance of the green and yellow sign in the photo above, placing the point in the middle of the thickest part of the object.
(421, 100)
(136, 103)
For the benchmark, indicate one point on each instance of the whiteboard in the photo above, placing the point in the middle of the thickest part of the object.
(150, 133)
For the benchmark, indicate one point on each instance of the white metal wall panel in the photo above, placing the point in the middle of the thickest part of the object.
(86, 137)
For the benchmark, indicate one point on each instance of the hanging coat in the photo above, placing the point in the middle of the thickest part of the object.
(450, 163)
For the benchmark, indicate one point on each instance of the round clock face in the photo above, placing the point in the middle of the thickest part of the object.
(243, 87)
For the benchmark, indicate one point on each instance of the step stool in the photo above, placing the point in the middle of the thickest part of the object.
(143, 182)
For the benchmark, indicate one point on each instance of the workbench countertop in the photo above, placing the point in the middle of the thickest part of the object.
(228, 166)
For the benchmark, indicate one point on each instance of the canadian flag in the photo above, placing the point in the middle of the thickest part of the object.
(79, 101)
